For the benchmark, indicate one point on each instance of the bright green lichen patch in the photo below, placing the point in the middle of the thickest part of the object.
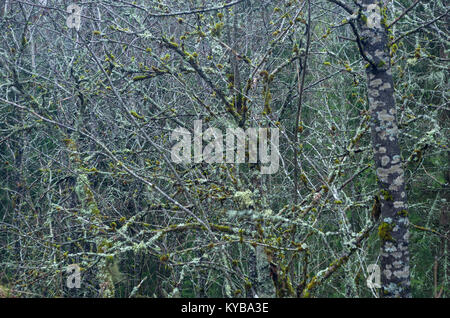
(386, 195)
(244, 198)
(384, 231)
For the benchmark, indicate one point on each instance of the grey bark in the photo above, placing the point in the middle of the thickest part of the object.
(393, 229)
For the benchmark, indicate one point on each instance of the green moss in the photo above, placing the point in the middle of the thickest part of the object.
(386, 195)
(384, 17)
(403, 213)
(381, 64)
(384, 231)
(221, 228)
(394, 48)
(136, 115)
(140, 77)
(267, 100)
(314, 281)
(363, 18)
(217, 29)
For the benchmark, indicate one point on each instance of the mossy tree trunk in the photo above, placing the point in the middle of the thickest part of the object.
(393, 229)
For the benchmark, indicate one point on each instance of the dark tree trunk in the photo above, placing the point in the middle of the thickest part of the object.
(393, 230)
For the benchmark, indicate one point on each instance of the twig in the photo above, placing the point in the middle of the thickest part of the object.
(301, 89)
(342, 5)
(403, 14)
(200, 10)
(420, 27)
(136, 288)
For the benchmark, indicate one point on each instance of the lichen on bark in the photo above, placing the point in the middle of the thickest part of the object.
(389, 170)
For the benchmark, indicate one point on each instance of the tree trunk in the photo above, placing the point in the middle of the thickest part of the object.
(393, 230)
